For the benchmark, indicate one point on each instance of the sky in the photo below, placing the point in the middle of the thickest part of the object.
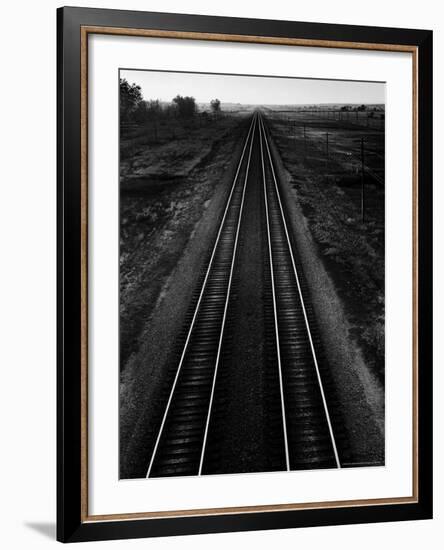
(257, 90)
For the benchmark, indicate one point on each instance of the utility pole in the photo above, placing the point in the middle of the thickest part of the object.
(155, 128)
(362, 181)
(305, 144)
(326, 160)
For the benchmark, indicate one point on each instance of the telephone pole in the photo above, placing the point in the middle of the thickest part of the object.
(362, 181)
(326, 159)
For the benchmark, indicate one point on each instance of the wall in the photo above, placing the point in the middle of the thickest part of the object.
(27, 302)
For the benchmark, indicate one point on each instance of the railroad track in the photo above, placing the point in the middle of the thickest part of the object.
(303, 427)
(181, 442)
(309, 441)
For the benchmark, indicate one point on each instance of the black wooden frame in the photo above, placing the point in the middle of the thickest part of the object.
(70, 526)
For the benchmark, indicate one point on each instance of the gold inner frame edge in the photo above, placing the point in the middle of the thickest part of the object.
(153, 33)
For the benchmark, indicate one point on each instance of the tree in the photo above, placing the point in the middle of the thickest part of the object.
(215, 106)
(186, 106)
(154, 107)
(140, 112)
(130, 97)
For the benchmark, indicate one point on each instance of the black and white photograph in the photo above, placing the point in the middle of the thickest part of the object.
(252, 239)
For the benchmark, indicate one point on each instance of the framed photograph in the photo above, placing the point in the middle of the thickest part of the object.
(244, 274)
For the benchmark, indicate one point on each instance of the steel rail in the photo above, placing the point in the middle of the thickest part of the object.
(167, 408)
(318, 375)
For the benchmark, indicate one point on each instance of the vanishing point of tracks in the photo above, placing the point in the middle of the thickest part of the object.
(304, 435)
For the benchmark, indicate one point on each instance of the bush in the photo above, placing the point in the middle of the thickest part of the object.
(186, 106)
(215, 106)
